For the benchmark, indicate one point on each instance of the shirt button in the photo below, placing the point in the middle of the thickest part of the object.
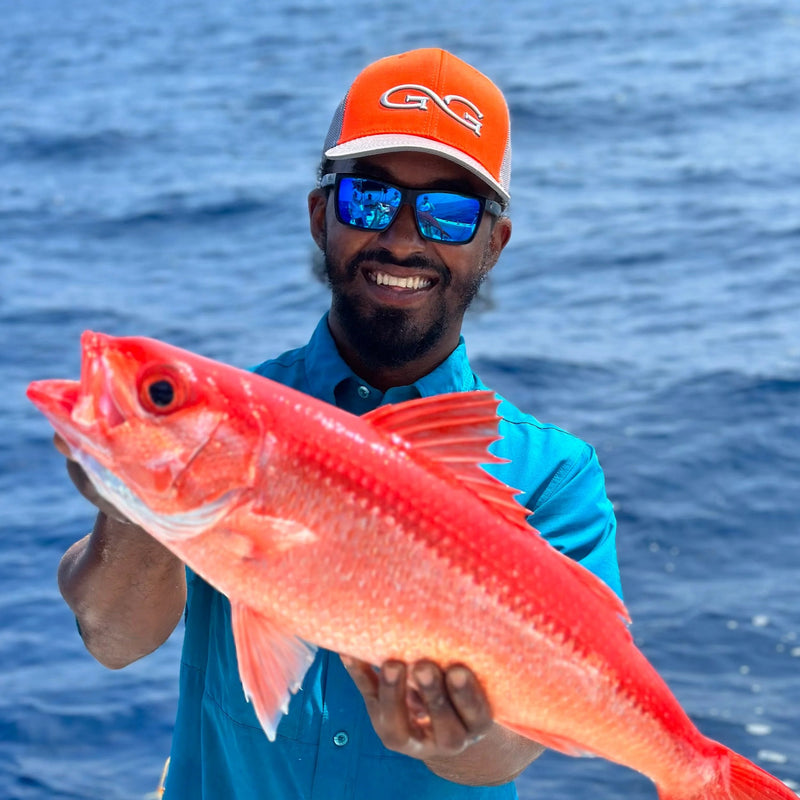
(363, 392)
(340, 739)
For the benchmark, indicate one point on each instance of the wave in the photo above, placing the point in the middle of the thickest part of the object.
(66, 146)
(186, 211)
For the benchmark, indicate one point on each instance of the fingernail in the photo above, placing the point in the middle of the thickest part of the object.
(424, 676)
(391, 672)
(458, 677)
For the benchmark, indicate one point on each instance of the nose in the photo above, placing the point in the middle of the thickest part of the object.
(403, 236)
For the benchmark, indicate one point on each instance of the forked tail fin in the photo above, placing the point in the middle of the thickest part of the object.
(745, 781)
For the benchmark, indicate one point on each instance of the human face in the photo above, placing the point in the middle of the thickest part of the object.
(398, 300)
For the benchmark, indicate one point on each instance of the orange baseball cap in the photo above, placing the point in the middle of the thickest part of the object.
(429, 101)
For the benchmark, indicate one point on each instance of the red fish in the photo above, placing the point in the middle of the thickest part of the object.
(380, 537)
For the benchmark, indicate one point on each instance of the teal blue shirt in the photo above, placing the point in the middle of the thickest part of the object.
(326, 748)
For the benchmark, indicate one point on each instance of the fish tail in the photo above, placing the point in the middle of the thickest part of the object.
(749, 782)
(737, 779)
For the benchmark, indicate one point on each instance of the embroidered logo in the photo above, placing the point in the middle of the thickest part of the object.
(470, 119)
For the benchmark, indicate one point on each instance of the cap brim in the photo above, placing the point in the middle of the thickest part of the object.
(391, 143)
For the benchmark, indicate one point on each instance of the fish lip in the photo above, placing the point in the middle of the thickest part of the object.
(54, 395)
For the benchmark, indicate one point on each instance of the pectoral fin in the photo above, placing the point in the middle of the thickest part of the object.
(272, 663)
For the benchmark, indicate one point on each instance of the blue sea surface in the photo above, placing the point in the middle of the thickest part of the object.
(154, 165)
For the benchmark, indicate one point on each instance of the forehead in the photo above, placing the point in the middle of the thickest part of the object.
(417, 170)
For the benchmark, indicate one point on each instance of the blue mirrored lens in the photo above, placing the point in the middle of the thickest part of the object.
(447, 217)
(367, 204)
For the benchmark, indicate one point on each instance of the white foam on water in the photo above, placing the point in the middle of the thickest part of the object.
(771, 756)
(758, 729)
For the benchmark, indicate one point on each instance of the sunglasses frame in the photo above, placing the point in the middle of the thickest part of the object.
(409, 196)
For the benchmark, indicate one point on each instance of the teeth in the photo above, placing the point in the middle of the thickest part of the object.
(382, 279)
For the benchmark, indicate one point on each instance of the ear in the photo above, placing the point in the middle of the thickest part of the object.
(498, 239)
(317, 208)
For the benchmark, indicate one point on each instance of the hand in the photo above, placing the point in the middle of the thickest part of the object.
(421, 710)
(84, 485)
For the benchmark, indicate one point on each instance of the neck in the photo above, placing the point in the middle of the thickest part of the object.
(367, 364)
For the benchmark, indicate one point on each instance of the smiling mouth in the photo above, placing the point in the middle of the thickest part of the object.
(412, 282)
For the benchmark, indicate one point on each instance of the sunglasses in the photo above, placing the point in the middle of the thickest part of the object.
(372, 205)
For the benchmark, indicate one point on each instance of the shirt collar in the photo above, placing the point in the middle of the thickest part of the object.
(326, 369)
(454, 374)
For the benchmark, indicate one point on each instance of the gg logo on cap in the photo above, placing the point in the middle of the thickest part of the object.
(472, 121)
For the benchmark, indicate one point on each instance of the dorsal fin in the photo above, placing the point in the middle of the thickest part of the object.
(455, 430)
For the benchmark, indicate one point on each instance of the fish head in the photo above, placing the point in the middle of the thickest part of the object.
(160, 431)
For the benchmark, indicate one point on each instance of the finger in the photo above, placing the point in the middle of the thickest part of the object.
(81, 480)
(62, 446)
(364, 678)
(469, 699)
(449, 731)
(393, 714)
(82, 483)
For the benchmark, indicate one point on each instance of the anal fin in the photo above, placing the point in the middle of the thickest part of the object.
(272, 663)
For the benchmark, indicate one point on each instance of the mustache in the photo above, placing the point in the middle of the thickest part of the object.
(381, 256)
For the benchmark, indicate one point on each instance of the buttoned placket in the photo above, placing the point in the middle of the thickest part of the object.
(339, 737)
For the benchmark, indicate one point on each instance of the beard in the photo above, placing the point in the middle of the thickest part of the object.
(396, 336)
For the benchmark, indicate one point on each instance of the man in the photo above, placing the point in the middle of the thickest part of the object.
(429, 134)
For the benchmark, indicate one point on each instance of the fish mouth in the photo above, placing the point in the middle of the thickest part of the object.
(54, 398)
(78, 409)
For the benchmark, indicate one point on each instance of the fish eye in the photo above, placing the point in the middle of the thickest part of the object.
(161, 392)
(162, 389)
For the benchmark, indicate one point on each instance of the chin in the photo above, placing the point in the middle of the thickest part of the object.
(386, 336)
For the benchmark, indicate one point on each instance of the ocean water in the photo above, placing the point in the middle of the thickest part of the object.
(154, 165)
